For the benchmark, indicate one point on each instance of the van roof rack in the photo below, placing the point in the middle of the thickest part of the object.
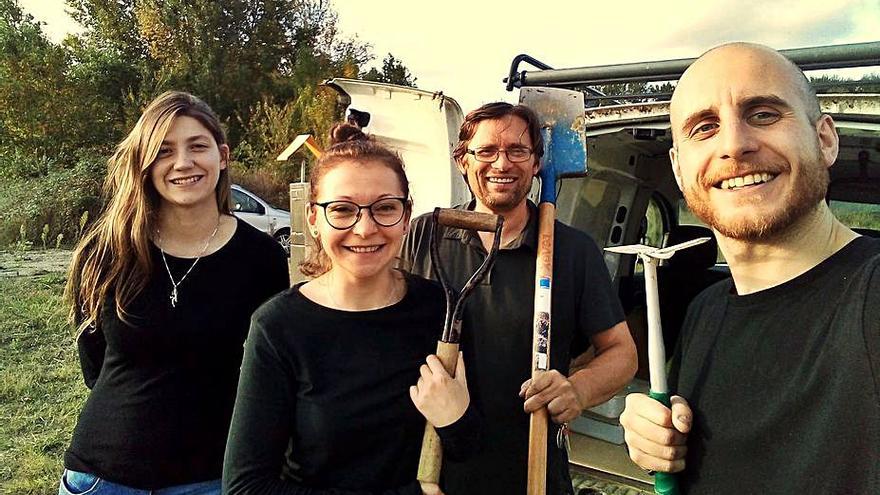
(811, 58)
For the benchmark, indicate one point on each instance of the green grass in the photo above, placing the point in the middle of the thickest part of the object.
(41, 388)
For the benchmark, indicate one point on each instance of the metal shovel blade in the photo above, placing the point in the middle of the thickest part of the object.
(561, 114)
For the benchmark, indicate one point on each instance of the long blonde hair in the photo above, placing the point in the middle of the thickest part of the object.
(113, 258)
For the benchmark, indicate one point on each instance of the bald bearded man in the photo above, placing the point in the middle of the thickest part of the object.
(777, 368)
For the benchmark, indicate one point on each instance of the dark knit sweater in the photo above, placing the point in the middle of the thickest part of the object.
(163, 388)
(323, 405)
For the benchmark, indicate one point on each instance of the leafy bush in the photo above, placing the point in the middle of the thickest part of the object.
(36, 191)
(269, 182)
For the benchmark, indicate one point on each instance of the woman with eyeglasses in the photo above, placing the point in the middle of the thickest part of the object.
(335, 373)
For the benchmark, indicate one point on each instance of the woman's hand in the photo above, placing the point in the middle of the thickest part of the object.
(440, 398)
(430, 488)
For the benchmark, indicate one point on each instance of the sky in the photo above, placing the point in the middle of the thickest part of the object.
(464, 47)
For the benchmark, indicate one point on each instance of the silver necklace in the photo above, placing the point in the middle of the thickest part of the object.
(175, 284)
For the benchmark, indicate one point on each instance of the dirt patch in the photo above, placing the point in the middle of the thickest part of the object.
(35, 262)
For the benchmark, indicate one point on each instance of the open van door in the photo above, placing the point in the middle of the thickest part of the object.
(420, 125)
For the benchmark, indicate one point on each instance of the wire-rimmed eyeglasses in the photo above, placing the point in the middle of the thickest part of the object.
(386, 212)
(515, 154)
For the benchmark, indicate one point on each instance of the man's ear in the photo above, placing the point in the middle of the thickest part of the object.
(676, 168)
(829, 141)
(461, 164)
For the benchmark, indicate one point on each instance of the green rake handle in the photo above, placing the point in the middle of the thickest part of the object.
(664, 483)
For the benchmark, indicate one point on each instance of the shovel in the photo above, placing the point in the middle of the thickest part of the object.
(561, 114)
(664, 483)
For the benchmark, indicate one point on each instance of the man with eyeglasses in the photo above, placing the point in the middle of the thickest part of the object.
(498, 154)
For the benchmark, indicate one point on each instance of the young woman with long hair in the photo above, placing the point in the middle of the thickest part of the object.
(161, 290)
(335, 374)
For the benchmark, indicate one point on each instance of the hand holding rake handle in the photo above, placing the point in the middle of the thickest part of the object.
(431, 458)
(664, 483)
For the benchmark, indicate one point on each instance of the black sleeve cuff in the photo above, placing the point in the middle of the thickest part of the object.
(464, 437)
(412, 488)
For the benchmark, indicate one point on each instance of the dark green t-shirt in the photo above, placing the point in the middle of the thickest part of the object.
(784, 382)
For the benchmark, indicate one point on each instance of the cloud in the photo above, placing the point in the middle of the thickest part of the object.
(778, 24)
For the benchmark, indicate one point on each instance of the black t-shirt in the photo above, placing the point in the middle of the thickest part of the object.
(785, 382)
(163, 388)
(323, 405)
(497, 339)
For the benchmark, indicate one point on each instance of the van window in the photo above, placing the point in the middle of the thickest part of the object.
(591, 205)
(857, 215)
(654, 227)
(687, 217)
(243, 203)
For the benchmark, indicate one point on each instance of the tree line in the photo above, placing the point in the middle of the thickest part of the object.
(258, 63)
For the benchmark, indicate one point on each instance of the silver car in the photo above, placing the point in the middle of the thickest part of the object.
(262, 216)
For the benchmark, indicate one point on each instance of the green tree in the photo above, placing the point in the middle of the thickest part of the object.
(393, 72)
(246, 58)
(32, 83)
(636, 91)
(869, 83)
(54, 100)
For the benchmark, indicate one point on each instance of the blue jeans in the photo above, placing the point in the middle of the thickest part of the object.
(77, 483)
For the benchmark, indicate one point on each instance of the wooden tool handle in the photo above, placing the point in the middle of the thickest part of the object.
(466, 219)
(537, 479)
(431, 458)
(537, 474)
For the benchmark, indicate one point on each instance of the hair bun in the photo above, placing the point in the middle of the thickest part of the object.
(344, 131)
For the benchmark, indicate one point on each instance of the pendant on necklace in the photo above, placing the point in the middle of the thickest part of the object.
(174, 297)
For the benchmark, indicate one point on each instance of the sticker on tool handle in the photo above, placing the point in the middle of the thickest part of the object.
(542, 323)
(542, 296)
(542, 332)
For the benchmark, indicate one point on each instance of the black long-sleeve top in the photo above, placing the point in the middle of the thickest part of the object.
(323, 403)
(163, 387)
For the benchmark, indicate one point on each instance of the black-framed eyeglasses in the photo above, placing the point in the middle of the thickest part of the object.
(516, 154)
(386, 212)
